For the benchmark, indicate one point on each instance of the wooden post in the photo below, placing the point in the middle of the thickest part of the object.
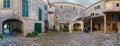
(91, 25)
(105, 24)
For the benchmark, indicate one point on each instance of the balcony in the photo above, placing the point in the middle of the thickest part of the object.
(51, 9)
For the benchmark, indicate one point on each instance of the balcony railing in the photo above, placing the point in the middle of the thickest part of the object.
(51, 9)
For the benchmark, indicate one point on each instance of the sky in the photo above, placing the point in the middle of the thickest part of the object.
(81, 2)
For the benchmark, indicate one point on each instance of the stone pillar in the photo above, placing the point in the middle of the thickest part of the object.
(105, 24)
(62, 26)
(58, 27)
(23, 30)
(118, 27)
(91, 25)
(82, 26)
(0, 28)
(70, 28)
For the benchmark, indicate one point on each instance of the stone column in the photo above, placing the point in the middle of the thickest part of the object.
(0, 27)
(23, 29)
(82, 26)
(70, 28)
(118, 27)
(62, 26)
(105, 24)
(58, 27)
(91, 25)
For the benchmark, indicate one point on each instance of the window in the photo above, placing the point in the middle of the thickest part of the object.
(117, 5)
(97, 7)
(73, 8)
(45, 7)
(40, 14)
(25, 8)
(6, 3)
(92, 14)
(61, 6)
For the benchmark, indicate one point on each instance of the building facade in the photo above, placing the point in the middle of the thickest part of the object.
(66, 13)
(24, 15)
(103, 16)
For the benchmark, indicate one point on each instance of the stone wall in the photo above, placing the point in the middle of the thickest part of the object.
(67, 13)
(15, 11)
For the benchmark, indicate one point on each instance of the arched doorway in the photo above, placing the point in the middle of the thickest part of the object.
(12, 27)
(77, 27)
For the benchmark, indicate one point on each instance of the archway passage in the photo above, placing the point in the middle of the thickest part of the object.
(77, 27)
(12, 27)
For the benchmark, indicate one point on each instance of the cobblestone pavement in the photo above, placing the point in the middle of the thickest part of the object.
(64, 39)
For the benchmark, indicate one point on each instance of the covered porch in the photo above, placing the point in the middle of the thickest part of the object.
(76, 26)
(107, 23)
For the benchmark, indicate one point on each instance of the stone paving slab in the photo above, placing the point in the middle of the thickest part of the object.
(63, 39)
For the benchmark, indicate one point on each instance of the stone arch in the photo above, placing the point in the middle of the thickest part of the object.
(15, 26)
(77, 26)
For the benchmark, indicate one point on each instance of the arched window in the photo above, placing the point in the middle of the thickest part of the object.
(25, 8)
(6, 3)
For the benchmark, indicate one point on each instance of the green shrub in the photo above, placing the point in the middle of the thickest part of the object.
(1, 35)
(34, 33)
(65, 28)
(29, 35)
(77, 29)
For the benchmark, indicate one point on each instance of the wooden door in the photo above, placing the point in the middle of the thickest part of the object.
(114, 26)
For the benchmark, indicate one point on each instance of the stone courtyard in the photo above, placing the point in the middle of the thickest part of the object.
(62, 39)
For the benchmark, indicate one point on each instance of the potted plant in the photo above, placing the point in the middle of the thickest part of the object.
(1, 36)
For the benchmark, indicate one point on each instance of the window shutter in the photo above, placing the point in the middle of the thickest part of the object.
(40, 14)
